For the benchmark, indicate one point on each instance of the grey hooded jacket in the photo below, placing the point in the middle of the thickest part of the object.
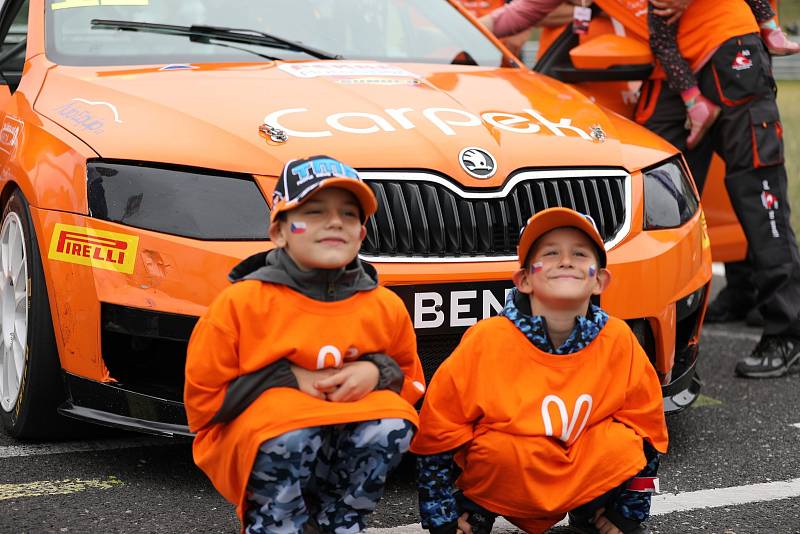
(328, 285)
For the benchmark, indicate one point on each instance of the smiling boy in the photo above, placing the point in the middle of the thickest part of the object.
(548, 409)
(302, 375)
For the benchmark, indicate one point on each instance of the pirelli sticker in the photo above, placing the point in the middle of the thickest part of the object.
(95, 248)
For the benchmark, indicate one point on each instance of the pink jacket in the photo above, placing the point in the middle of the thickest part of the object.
(520, 15)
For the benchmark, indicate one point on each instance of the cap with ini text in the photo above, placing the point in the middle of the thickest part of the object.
(550, 219)
(301, 178)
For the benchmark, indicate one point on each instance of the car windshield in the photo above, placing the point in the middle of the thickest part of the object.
(145, 32)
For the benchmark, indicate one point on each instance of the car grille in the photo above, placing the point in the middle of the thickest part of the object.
(433, 350)
(425, 216)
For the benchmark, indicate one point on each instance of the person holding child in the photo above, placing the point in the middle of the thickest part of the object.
(301, 377)
(729, 107)
(550, 408)
(725, 48)
(701, 112)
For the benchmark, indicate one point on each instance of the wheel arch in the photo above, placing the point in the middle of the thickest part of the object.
(9, 188)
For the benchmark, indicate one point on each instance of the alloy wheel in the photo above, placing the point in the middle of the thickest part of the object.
(14, 292)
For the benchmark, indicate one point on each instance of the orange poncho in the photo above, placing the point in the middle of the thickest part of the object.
(252, 324)
(540, 434)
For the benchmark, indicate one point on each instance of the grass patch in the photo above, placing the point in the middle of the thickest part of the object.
(789, 12)
(704, 400)
(788, 98)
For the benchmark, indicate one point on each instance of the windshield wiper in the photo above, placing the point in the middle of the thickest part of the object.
(200, 33)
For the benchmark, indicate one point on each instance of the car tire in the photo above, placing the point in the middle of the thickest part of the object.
(31, 384)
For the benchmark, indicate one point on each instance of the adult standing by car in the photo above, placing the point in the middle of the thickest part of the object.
(720, 40)
(736, 301)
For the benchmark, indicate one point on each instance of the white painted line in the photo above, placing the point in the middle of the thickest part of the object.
(730, 334)
(716, 498)
(796, 425)
(37, 449)
(718, 269)
(54, 487)
(668, 503)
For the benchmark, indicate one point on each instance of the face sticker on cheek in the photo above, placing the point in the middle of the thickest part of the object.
(298, 227)
(592, 270)
(536, 267)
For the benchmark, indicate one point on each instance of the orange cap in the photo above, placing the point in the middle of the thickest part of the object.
(550, 219)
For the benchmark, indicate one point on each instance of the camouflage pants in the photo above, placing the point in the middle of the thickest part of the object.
(330, 476)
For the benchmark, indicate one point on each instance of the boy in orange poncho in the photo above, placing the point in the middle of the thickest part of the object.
(548, 409)
(301, 377)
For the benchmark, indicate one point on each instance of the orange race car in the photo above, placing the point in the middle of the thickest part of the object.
(139, 140)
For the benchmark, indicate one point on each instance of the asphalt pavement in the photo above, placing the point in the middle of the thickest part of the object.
(733, 468)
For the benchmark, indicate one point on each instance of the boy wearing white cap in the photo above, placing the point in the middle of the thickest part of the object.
(548, 409)
(301, 376)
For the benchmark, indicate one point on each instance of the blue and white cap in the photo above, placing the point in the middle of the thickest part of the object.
(301, 178)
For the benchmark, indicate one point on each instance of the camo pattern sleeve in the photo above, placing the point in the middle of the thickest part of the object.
(586, 328)
(437, 504)
(635, 505)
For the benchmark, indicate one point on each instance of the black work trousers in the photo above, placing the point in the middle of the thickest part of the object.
(748, 137)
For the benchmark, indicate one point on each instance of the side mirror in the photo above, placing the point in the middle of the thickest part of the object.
(607, 57)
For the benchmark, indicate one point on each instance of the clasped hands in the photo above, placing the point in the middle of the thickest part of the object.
(351, 382)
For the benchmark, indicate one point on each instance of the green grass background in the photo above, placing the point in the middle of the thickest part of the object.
(789, 105)
(789, 11)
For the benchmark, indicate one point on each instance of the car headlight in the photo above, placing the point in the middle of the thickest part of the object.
(190, 203)
(669, 198)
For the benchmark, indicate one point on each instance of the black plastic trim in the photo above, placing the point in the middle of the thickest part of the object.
(115, 406)
(611, 74)
(682, 392)
(147, 323)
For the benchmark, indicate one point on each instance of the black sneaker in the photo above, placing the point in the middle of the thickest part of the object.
(773, 356)
(731, 305)
(563, 529)
(481, 522)
(580, 523)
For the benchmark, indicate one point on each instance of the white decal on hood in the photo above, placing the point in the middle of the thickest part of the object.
(314, 69)
(99, 103)
(445, 119)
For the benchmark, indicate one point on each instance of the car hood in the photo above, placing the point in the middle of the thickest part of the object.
(371, 115)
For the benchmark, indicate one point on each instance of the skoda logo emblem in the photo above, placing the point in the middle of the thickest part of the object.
(477, 162)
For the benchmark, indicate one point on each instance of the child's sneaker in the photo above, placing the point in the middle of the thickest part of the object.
(777, 42)
(564, 529)
(480, 522)
(699, 118)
